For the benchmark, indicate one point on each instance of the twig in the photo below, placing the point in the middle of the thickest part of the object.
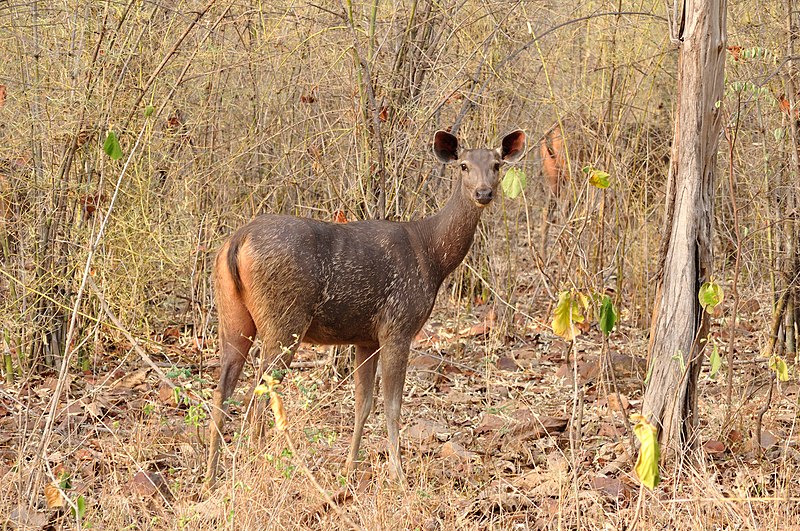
(777, 317)
(68, 352)
(142, 354)
(761, 412)
(322, 491)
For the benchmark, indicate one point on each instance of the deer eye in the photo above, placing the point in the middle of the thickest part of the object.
(463, 166)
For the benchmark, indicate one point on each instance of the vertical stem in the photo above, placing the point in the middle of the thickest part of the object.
(731, 135)
(791, 264)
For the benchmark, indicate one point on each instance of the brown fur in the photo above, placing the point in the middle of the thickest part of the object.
(367, 283)
(554, 163)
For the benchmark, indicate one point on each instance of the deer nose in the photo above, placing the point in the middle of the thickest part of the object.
(484, 195)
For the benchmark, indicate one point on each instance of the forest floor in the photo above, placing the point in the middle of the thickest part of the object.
(487, 440)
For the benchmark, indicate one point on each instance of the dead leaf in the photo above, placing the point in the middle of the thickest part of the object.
(489, 422)
(52, 495)
(735, 437)
(426, 431)
(3, 92)
(24, 518)
(452, 449)
(587, 370)
(538, 428)
(608, 430)
(426, 337)
(425, 362)
(132, 380)
(147, 483)
(768, 439)
(166, 395)
(713, 446)
(736, 52)
(506, 363)
(618, 404)
(612, 487)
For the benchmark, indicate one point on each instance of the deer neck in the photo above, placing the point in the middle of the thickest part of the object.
(450, 232)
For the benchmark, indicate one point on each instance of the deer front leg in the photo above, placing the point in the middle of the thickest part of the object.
(394, 360)
(365, 367)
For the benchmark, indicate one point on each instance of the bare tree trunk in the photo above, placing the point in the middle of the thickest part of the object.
(678, 320)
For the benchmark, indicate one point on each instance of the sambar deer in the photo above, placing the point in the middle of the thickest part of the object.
(371, 284)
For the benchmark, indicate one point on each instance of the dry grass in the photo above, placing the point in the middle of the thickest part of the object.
(265, 108)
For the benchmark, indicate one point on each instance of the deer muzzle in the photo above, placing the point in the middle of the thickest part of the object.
(484, 196)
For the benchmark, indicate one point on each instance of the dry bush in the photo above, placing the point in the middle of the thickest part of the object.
(225, 110)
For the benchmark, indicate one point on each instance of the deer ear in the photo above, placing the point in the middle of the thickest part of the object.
(512, 148)
(445, 146)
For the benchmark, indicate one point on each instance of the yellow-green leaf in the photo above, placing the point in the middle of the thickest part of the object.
(608, 316)
(649, 452)
(599, 179)
(567, 313)
(777, 364)
(710, 295)
(715, 360)
(111, 146)
(514, 182)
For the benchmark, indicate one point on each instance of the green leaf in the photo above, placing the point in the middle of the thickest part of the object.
(716, 361)
(649, 373)
(599, 179)
(678, 356)
(111, 146)
(148, 111)
(80, 503)
(649, 452)
(777, 364)
(608, 316)
(710, 295)
(567, 313)
(514, 182)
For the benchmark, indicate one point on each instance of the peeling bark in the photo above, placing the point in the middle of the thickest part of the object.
(679, 323)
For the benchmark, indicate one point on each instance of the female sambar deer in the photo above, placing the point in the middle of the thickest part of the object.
(367, 283)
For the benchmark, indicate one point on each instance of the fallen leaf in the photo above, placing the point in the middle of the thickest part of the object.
(53, 497)
(23, 518)
(735, 437)
(147, 483)
(489, 422)
(425, 362)
(618, 404)
(132, 380)
(425, 431)
(452, 449)
(613, 487)
(166, 395)
(506, 363)
(768, 439)
(714, 447)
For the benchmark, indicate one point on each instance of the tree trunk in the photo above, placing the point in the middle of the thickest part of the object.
(679, 323)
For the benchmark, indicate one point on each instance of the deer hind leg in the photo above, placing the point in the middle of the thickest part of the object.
(236, 331)
(366, 364)
(279, 342)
